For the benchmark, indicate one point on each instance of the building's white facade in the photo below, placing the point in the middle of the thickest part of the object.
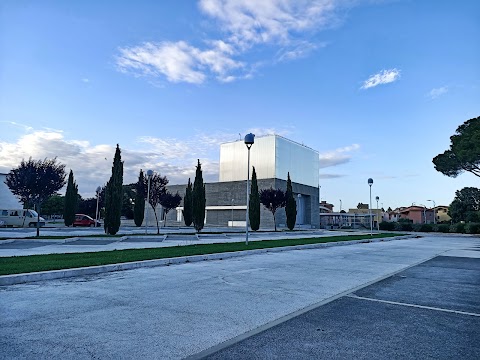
(273, 157)
(7, 199)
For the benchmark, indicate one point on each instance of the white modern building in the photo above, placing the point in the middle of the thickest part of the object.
(7, 199)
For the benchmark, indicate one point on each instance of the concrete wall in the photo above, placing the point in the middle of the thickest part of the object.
(7, 199)
(222, 193)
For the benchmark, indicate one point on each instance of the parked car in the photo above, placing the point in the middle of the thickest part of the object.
(84, 220)
(20, 218)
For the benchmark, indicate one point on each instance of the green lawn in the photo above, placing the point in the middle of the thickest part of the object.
(33, 263)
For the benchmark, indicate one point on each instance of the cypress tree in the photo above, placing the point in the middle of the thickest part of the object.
(139, 207)
(254, 203)
(198, 199)
(114, 196)
(291, 206)
(71, 201)
(187, 205)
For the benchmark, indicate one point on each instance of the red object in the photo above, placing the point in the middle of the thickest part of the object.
(84, 220)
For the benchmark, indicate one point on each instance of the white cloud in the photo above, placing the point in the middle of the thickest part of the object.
(244, 24)
(437, 92)
(178, 61)
(383, 77)
(92, 164)
(85, 80)
(338, 156)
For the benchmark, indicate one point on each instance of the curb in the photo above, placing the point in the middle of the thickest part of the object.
(94, 270)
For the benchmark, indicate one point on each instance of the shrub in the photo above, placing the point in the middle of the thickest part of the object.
(403, 226)
(472, 228)
(457, 228)
(423, 227)
(386, 225)
(443, 228)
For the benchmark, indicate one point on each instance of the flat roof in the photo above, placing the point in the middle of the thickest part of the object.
(275, 135)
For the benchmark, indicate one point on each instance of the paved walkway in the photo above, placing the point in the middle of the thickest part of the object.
(19, 247)
(177, 311)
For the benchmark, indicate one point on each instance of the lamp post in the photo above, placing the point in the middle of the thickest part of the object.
(96, 211)
(340, 213)
(149, 177)
(378, 224)
(424, 213)
(249, 140)
(233, 201)
(370, 183)
(434, 214)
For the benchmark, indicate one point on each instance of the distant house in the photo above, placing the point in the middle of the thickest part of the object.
(417, 214)
(7, 199)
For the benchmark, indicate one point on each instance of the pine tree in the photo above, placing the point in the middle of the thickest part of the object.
(198, 200)
(291, 206)
(139, 207)
(71, 201)
(254, 204)
(114, 196)
(187, 205)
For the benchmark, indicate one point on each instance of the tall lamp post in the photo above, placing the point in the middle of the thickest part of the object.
(378, 223)
(434, 214)
(149, 177)
(233, 202)
(340, 213)
(370, 183)
(249, 140)
(96, 211)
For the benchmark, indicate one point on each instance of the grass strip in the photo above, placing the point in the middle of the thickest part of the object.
(34, 263)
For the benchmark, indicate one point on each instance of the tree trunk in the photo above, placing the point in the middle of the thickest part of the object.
(165, 218)
(156, 219)
(274, 222)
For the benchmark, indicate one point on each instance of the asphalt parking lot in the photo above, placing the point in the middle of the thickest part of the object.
(431, 310)
(398, 299)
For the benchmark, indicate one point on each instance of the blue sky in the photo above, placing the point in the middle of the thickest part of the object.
(377, 87)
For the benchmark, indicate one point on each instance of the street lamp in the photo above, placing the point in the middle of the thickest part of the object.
(96, 211)
(434, 213)
(233, 202)
(149, 177)
(249, 140)
(370, 183)
(378, 224)
(340, 214)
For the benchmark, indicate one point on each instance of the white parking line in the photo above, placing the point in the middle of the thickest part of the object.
(413, 305)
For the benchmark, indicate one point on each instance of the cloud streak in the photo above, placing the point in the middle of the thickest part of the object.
(287, 25)
(381, 78)
(437, 92)
(337, 157)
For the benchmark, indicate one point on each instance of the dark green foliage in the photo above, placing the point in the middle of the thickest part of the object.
(128, 200)
(34, 181)
(71, 201)
(442, 228)
(188, 205)
(54, 205)
(386, 225)
(254, 203)
(472, 228)
(87, 206)
(169, 201)
(198, 199)
(114, 196)
(140, 195)
(290, 205)
(272, 199)
(464, 152)
(457, 228)
(466, 205)
(403, 226)
(423, 227)
(158, 189)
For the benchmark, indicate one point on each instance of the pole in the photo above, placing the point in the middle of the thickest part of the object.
(434, 214)
(148, 204)
(378, 223)
(232, 212)
(371, 220)
(96, 212)
(248, 198)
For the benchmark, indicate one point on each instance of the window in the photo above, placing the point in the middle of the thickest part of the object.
(4, 212)
(14, 213)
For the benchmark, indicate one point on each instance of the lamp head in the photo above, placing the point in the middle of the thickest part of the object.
(98, 190)
(249, 139)
(377, 198)
(149, 173)
(370, 181)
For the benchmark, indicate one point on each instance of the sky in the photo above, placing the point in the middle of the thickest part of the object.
(377, 87)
